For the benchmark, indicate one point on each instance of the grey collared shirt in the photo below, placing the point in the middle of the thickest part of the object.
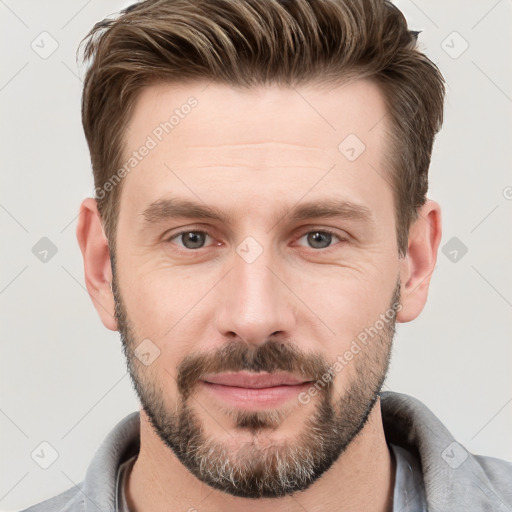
(409, 492)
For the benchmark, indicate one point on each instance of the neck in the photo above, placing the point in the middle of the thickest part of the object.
(361, 479)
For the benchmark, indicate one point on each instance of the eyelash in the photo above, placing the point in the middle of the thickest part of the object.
(323, 230)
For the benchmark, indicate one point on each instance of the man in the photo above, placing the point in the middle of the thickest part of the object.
(260, 224)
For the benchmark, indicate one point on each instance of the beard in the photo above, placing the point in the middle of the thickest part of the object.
(261, 468)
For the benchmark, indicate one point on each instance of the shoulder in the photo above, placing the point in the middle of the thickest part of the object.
(499, 474)
(70, 500)
(454, 478)
(97, 489)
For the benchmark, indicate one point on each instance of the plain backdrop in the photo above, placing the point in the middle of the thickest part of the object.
(63, 375)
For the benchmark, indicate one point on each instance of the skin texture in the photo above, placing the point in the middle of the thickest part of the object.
(255, 155)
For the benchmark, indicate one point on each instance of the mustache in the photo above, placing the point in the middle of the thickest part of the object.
(270, 357)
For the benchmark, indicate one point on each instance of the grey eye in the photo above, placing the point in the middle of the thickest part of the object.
(319, 239)
(191, 239)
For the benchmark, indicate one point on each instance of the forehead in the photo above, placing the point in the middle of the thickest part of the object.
(268, 140)
(222, 114)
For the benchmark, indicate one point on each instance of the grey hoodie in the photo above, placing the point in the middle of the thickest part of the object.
(454, 479)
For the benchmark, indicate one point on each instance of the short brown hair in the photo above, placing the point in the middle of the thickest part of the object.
(246, 43)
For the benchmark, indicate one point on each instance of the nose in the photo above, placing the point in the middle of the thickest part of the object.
(254, 303)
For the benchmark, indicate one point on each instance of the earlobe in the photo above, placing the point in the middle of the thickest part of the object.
(96, 256)
(420, 261)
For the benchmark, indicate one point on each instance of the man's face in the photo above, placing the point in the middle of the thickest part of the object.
(251, 312)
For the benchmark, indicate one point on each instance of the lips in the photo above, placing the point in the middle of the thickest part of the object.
(254, 380)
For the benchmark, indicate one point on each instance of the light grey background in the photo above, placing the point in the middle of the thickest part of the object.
(63, 376)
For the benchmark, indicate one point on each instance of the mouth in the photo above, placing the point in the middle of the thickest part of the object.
(254, 391)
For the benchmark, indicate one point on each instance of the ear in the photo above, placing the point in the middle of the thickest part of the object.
(95, 252)
(419, 262)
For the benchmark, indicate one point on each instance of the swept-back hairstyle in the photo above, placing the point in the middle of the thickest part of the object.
(248, 43)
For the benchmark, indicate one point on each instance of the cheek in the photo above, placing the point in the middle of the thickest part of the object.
(167, 305)
(153, 304)
(348, 306)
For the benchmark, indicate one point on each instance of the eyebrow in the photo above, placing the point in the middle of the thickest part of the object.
(170, 208)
